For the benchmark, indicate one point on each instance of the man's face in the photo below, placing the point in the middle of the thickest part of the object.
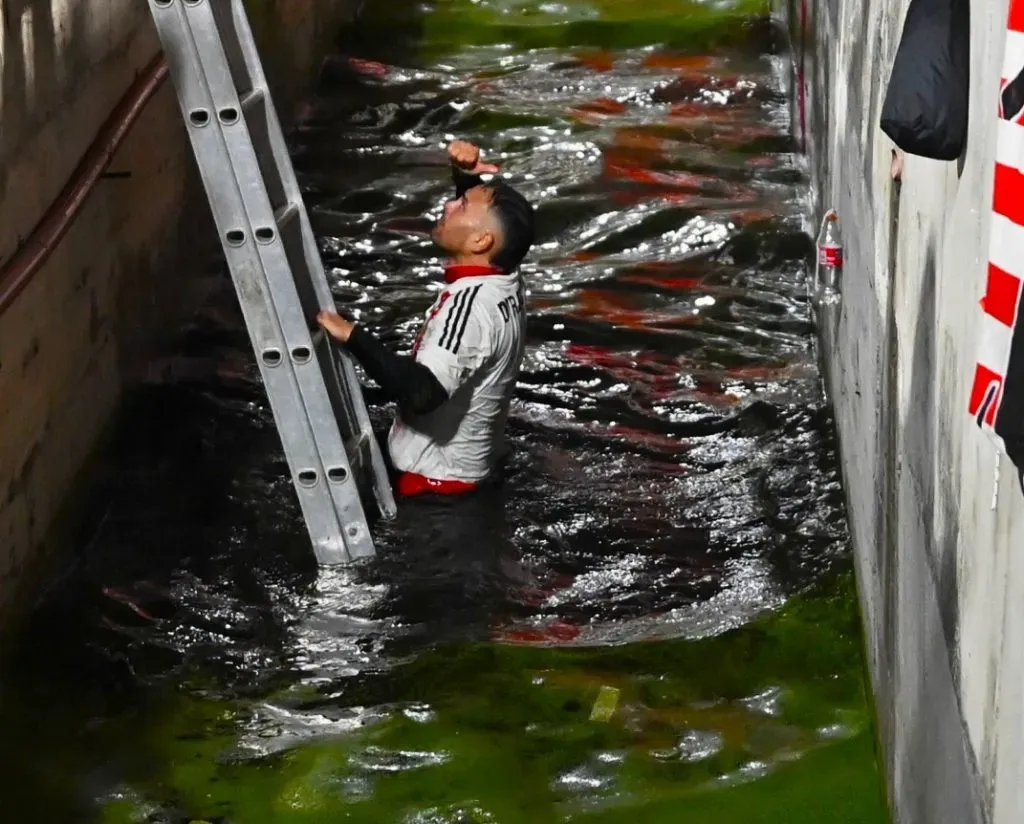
(467, 226)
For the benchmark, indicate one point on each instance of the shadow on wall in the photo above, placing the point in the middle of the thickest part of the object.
(41, 64)
(42, 61)
(929, 455)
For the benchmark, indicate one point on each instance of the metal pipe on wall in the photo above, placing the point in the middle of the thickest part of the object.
(33, 253)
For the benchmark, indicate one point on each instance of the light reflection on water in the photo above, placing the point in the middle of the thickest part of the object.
(671, 471)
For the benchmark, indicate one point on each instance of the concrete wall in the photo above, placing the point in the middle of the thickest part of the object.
(940, 559)
(82, 330)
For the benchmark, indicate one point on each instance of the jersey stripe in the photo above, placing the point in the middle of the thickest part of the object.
(453, 315)
(434, 312)
(458, 319)
(465, 318)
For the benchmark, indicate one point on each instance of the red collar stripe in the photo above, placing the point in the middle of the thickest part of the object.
(457, 271)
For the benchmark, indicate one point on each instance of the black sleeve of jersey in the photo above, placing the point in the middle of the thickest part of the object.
(412, 385)
(464, 180)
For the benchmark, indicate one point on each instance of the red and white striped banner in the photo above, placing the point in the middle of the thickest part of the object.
(997, 395)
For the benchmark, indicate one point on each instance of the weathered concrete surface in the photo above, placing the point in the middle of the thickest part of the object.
(80, 333)
(941, 569)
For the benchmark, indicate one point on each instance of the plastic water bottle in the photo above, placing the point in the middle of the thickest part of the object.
(829, 270)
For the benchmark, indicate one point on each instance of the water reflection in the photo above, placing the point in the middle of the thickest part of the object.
(670, 471)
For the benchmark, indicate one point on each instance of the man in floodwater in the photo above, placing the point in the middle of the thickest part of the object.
(454, 390)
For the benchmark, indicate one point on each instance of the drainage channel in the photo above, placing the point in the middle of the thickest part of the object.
(655, 622)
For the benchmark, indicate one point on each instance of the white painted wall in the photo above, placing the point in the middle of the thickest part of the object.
(941, 571)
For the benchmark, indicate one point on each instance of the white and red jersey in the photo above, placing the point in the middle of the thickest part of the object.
(473, 341)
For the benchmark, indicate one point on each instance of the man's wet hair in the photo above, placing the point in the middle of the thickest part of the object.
(515, 214)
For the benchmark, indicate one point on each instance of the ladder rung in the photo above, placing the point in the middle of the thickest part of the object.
(285, 215)
(250, 99)
(355, 447)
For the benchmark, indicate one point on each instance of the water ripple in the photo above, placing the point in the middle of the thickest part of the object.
(671, 470)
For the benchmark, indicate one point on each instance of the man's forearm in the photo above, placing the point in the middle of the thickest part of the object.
(411, 385)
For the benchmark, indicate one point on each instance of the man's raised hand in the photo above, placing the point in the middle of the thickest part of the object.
(467, 157)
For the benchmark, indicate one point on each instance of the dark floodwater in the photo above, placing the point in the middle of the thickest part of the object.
(653, 619)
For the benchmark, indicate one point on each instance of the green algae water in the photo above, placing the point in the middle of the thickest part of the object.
(767, 723)
(654, 621)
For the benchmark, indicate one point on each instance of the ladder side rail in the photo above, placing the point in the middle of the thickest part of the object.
(340, 369)
(273, 232)
(250, 284)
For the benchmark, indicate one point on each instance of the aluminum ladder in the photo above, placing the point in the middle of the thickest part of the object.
(314, 393)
